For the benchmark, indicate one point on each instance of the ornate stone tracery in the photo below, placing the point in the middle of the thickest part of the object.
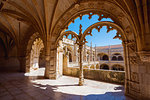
(34, 47)
(126, 33)
(35, 53)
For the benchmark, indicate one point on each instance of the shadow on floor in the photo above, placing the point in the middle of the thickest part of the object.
(16, 86)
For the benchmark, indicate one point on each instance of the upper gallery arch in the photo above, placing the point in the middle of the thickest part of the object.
(104, 9)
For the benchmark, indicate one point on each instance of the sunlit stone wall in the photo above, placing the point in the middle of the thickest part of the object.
(100, 75)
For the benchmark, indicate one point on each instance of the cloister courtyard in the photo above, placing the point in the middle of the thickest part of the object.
(74, 50)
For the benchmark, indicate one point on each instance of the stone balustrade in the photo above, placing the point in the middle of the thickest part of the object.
(100, 75)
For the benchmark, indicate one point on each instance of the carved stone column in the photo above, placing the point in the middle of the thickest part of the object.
(51, 55)
(81, 77)
(47, 65)
(133, 63)
(65, 63)
(127, 69)
(59, 67)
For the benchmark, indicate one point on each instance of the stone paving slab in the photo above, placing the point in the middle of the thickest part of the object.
(18, 86)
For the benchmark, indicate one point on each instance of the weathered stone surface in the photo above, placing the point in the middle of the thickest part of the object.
(100, 75)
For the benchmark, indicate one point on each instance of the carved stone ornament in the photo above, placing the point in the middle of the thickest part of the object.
(135, 86)
(135, 77)
(144, 56)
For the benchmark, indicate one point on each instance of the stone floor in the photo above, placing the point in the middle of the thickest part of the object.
(20, 86)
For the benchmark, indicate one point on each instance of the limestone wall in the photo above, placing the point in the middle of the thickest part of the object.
(100, 75)
(11, 62)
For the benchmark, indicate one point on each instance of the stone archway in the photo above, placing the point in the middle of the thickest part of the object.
(102, 56)
(107, 9)
(105, 57)
(37, 46)
(117, 67)
(34, 46)
(117, 57)
(104, 67)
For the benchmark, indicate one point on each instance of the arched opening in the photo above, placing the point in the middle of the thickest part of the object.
(114, 58)
(35, 57)
(121, 34)
(120, 58)
(102, 56)
(118, 67)
(130, 19)
(70, 57)
(117, 57)
(37, 46)
(42, 61)
(67, 56)
(104, 66)
(105, 57)
(87, 57)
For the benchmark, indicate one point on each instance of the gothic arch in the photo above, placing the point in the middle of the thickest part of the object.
(105, 57)
(117, 57)
(108, 9)
(69, 48)
(123, 23)
(37, 46)
(104, 66)
(114, 58)
(29, 49)
(120, 58)
(102, 56)
(69, 52)
(117, 67)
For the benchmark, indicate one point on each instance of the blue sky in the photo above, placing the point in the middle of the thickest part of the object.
(101, 38)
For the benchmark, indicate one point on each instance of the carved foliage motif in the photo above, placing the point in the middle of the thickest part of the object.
(110, 26)
(132, 46)
(134, 77)
(134, 86)
(106, 9)
(133, 56)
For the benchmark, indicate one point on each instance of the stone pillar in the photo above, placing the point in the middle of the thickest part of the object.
(75, 53)
(95, 59)
(144, 74)
(65, 63)
(91, 53)
(109, 53)
(127, 67)
(84, 54)
(132, 61)
(59, 67)
(50, 56)
(47, 64)
(81, 77)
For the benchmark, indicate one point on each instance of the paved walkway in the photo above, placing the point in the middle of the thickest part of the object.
(20, 86)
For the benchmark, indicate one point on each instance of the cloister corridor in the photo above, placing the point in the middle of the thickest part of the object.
(20, 86)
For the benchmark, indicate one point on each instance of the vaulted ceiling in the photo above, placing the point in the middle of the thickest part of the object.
(19, 17)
